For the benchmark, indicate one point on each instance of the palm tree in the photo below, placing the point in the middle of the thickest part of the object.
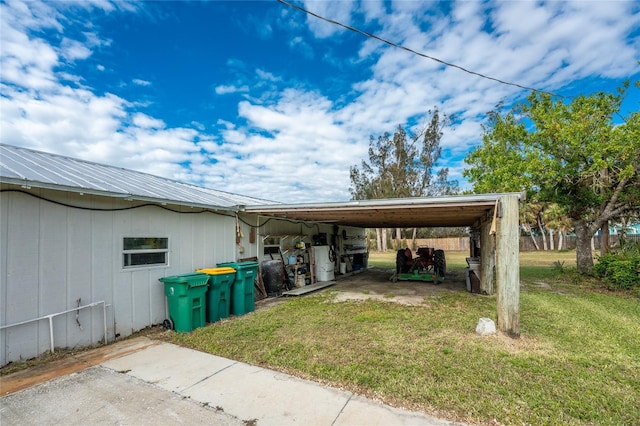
(528, 215)
(556, 218)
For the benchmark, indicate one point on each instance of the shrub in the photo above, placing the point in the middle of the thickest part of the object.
(620, 268)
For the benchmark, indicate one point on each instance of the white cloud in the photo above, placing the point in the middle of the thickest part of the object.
(296, 143)
(298, 45)
(339, 11)
(303, 148)
(25, 61)
(72, 50)
(225, 90)
(557, 44)
(34, 15)
(145, 122)
(42, 112)
(140, 82)
(197, 125)
(373, 10)
(267, 76)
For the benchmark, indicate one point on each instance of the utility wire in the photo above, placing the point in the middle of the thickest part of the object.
(390, 43)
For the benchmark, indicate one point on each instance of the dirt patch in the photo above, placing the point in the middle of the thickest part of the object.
(521, 345)
(268, 303)
(543, 285)
(375, 283)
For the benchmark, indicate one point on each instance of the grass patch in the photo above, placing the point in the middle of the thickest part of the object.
(576, 363)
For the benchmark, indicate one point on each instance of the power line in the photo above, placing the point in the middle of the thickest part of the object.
(390, 43)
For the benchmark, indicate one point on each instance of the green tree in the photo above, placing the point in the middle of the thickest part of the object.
(572, 154)
(402, 166)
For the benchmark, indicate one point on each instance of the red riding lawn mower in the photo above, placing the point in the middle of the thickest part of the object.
(429, 265)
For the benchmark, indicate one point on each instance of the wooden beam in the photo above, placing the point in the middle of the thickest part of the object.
(508, 266)
(487, 258)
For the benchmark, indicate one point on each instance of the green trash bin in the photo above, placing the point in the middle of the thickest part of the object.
(186, 299)
(242, 293)
(219, 292)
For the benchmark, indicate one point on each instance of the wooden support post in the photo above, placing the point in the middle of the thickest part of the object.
(471, 246)
(312, 266)
(487, 258)
(508, 266)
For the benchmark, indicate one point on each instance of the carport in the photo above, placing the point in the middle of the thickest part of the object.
(492, 218)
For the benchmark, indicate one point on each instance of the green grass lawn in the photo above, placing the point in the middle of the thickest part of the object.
(577, 361)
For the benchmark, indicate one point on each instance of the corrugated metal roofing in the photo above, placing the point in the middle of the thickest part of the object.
(26, 167)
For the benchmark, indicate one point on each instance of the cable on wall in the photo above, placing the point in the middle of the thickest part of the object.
(119, 209)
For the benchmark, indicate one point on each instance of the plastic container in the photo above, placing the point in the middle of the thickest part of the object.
(474, 264)
(474, 280)
(272, 272)
(219, 292)
(186, 300)
(242, 292)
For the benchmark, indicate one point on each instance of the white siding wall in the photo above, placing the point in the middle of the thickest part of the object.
(51, 256)
(246, 249)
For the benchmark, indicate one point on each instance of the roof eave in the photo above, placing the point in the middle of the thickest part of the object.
(27, 184)
(488, 199)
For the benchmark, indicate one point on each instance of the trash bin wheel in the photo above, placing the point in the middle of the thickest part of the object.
(167, 324)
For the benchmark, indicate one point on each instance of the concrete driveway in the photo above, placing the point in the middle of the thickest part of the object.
(99, 395)
(145, 382)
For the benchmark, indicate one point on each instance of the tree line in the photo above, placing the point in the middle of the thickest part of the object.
(578, 160)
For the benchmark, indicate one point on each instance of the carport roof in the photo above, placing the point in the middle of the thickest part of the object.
(461, 210)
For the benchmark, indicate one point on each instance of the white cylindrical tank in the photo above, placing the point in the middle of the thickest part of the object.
(324, 266)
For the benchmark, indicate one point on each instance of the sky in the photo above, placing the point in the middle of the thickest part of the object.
(260, 99)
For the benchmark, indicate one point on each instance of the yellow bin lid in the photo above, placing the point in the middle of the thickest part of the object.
(217, 271)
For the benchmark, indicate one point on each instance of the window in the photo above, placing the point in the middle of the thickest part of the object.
(137, 252)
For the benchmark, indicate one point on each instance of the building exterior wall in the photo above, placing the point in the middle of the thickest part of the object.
(52, 256)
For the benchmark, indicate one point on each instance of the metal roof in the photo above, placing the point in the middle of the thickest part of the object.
(29, 168)
(463, 210)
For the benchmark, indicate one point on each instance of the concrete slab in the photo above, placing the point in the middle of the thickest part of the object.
(171, 367)
(72, 364)
(100, 396)
(361, 411)
(270, 397)
(308, 288)
(374, 284)
(257, 395)
(159, 383)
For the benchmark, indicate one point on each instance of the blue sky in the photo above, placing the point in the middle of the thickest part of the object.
(257, 98)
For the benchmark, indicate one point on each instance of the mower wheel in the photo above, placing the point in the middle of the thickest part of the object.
(439, 263)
